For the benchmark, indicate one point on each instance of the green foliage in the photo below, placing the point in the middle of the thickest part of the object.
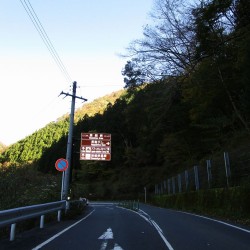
(24, 185)
(233, 203)
(32, 147)
(97, 106)
(42, 142)
(133, 76)
(76, 208)
(2, 147)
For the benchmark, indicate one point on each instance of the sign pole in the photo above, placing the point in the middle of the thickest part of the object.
(69, 144)
(65, 187)
(62, 185)
(62, 165)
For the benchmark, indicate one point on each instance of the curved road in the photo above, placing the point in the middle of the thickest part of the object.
(188, 231)
(108, 227)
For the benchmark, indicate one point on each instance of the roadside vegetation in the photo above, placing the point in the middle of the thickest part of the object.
(229, 204)
(186, 100)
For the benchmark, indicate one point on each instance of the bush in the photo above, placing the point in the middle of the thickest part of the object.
(227, 203)
(76, 208)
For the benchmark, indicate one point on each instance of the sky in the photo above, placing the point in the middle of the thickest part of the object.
(88, 36)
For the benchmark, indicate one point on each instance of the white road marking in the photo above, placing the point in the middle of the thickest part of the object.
(146, 217)
(117, 247)
(101, 204)
(104, 245)
(156, 226)
(162, 236)
(110, 208)
(218, 221)
(58, 234)
(108, 235)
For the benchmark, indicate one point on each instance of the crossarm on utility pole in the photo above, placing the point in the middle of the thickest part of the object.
(78, 97)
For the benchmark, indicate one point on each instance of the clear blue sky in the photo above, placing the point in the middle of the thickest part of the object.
(88, 36)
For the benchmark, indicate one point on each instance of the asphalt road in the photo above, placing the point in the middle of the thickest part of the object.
(190, 232)
(108, 227)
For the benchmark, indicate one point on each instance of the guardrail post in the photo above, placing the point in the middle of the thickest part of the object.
(186, 180)
(196, 178)
(59, 212)
(227, 167)
(67, 206)
(209, 173)
(169, 188)
(12, 231)
(179, 183)
(173, 184)
(12, 216)
(165, 185)
(42, 221)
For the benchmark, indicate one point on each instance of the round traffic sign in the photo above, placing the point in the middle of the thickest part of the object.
(61, 164)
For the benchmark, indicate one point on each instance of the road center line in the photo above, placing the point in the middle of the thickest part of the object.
(63, 231)
(146, 217)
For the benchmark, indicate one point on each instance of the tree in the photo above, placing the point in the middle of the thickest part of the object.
(167, 47)
(133, 75)
(242, 32)
(216, 49)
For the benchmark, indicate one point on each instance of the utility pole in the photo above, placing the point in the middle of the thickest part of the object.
(66, 176)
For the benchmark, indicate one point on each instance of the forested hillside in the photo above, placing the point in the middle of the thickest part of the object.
(32, 147)
(2, 147)
(187, 98)
(20, 163)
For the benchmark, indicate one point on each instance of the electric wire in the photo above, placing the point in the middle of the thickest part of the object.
(39, 27)
(48, 39)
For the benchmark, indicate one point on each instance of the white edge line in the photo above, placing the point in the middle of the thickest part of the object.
(145, 218)
(102, 204)
(156, 226)
(58, 234)
(165, 240)
(218, 221)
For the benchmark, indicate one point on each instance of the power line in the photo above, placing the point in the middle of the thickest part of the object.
(39, 27)
(53, 49)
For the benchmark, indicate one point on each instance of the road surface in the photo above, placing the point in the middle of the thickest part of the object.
(108, 227)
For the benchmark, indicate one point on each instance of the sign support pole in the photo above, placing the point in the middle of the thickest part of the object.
(65, 187)
(62, 185)
(69, 144)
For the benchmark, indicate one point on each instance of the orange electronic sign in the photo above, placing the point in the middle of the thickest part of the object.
(95, 146)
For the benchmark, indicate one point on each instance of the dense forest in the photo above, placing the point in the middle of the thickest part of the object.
(187, 92)
(2, 147)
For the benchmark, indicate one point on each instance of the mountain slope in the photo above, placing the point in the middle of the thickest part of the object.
(2, 147)
(32, 147)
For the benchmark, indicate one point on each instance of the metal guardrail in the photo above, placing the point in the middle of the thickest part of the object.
(12, 216)
(218, 173)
